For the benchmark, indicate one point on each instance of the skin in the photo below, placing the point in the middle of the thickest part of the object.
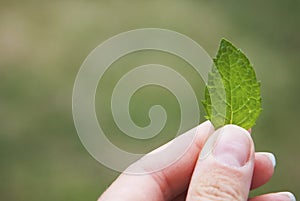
(188, 178)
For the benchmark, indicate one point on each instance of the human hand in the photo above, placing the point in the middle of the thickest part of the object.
(219, 165)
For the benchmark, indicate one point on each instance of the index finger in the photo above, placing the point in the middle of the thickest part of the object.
(167, 183)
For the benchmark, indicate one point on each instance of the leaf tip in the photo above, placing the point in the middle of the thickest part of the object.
(225, 42)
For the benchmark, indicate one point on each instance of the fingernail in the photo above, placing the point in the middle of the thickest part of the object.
(271, 157)
(290, 195)
(208, 146)
(233, 146)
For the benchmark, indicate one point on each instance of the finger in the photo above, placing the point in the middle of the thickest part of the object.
(225, 167)
(167, 183)
(282, 196)
(263, 169)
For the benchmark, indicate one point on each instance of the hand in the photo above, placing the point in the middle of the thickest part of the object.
(219, 165)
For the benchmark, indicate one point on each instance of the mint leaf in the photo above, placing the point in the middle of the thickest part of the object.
(232, 94)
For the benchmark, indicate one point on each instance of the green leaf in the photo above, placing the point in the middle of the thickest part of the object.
(232, 94)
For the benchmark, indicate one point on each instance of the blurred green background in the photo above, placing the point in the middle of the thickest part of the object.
(43, 43)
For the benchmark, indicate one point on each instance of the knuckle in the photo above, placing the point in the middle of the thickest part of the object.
(223, 188)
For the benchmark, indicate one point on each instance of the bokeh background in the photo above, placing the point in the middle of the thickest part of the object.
(43, 43)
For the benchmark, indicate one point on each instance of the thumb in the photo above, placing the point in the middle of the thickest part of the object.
(225, 166)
